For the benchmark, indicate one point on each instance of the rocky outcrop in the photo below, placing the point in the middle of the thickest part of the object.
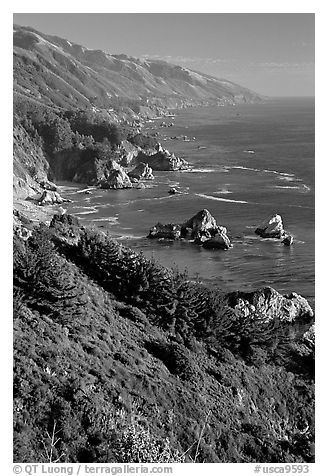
(117, 178)
(141, 172)
(267, 304)
(168, 232)
(47, 185)
(162, 159)
(288, 240)
(140, 185)
(22, 226)
(128, 153)
(49, 197)
(201, 227)
(30, 166)
(309, 337)
(219, 241)
(272, 227)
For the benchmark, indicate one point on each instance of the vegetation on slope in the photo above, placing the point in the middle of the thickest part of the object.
(53, 144)
(59, 73)
(125, 360)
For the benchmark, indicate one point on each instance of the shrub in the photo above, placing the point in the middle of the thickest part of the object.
(137, 445)
(42, 277)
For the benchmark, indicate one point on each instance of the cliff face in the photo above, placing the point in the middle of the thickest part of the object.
(30, 166)
(59, 73)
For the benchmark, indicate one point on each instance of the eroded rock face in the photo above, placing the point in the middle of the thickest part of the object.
(200, 227)
(162, 159)
(47, 185)
(219, 241)
(128, 153)
(142, 172)
(309, 336)
(22, 226)
(288, 240)
(272, 227)
(170, 231)
(266, 303)
(50, 197)
(117, 178)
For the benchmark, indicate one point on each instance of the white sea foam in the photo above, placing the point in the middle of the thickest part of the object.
(284, 174)
(242, 168)
(291, 187)
(223, 191)
(289, 178)
(219, 199)
(201, 171)
(111, 220)
(130, 237)
(86, 212)
(86, 189)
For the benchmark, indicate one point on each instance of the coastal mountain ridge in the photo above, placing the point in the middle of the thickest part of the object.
(60, 73)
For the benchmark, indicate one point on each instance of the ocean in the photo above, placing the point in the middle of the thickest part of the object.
(249, 161)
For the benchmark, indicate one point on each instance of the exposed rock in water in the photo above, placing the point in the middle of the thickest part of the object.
(272, 227)
(288, 240)
(117, 178)
(200, 227)
(140, 185)
(162, 159)
(142, 171)
(219, 241)
(266, 303)
(47, 185)
(169, 231)
(49, 197)
(174, 191)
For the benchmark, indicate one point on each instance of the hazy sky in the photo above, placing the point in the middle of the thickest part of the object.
(271, 53)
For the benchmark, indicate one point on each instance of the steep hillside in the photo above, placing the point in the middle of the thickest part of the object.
(127, 361)
(30, 167)
(60, 73)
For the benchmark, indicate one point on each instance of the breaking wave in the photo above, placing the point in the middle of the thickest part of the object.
(203, 195)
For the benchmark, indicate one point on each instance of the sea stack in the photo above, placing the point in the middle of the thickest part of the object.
(272, 227)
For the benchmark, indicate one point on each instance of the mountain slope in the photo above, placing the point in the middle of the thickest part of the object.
(60, 73)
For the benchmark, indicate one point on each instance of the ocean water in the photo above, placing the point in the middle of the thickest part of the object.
(249, 161)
